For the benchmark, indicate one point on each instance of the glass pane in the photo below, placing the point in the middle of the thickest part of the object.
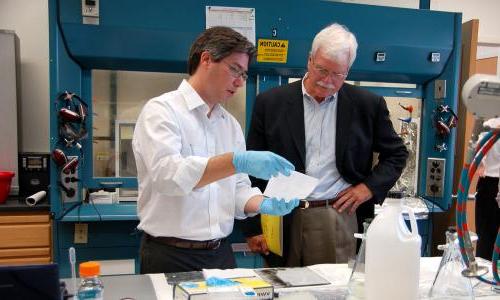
(118, 97)
(125, 165)
(124, 159)
(409, 130)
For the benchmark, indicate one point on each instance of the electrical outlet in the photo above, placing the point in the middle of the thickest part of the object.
(90, 8)
(439, 89)
(81, 233)
(70, 182)
(435, 177)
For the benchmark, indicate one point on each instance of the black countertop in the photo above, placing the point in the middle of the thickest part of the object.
(17, 203)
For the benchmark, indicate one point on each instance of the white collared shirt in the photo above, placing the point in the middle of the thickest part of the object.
(320, 132)
(491, 160)
(173, 140)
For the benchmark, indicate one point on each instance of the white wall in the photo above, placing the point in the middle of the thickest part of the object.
(489, 23)
(485, 10)
(394, 3)
(29, 19)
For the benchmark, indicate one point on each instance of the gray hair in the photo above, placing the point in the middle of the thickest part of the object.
(337, 42)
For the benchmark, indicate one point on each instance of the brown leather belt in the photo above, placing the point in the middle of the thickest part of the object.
(186, 244)
(303, 204)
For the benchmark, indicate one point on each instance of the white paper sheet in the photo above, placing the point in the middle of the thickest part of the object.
(163, 290)
(297, 185)
(241, 19)
(228, 273)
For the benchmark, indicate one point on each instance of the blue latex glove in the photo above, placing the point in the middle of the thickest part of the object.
(277, 207)
(261, 164)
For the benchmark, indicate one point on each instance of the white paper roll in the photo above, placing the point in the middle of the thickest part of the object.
(35, 198)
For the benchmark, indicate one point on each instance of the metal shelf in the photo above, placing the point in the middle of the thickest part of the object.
(102, 212)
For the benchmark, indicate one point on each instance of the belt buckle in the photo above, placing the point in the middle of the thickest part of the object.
(217, 245)
(306, 204)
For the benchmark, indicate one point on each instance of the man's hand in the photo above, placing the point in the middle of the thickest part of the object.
(352, 197)
(277, 206)
(258, 244)
(261, 164)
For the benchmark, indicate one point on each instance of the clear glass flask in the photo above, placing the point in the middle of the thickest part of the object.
(449, 282)
(356, 285)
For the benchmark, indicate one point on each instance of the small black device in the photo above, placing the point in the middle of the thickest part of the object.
(33, 173)
(30, 282)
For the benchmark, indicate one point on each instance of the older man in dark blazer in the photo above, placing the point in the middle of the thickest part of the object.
(328, 130)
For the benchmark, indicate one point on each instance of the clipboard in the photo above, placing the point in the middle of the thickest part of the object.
(272, 229)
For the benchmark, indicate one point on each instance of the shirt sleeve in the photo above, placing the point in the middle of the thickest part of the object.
(243, 193)
(157, 144)
(244, 190)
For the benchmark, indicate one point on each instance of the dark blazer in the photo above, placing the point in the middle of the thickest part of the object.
(363, 127)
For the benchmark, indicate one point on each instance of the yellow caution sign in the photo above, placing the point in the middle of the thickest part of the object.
(274, 51)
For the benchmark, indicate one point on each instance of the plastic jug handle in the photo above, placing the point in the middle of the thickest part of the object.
(413, 221)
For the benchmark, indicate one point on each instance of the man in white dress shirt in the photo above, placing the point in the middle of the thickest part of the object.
(487, 208)
(192, 165)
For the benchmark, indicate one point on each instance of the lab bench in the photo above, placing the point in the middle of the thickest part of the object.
(155, 286)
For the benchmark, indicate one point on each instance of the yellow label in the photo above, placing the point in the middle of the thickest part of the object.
(274, 51)
(253, 282)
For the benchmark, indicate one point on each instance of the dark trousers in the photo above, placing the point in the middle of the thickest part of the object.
(160, 258)
(274, 261)
(317, 235)
(487, 216)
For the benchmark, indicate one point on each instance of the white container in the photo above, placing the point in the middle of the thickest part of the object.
(392, 255)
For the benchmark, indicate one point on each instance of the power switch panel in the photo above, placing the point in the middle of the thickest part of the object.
(81, 233)
(440, 89)
(69, 181)
(435, 177)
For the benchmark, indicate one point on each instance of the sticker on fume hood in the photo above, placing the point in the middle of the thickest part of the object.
(273, 51)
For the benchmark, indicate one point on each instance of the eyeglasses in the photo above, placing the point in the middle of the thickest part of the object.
(323, 72)
(236, 71)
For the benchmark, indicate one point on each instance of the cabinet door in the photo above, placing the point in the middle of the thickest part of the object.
(25, 238)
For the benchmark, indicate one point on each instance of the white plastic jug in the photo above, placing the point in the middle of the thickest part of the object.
(392, 255)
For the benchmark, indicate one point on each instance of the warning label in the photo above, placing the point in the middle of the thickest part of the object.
(274, 51)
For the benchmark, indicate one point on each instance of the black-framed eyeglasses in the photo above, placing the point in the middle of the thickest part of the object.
(323, 72)
(236, 71)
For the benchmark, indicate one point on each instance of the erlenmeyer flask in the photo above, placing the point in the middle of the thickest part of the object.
(356, 285)
(449, 282)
